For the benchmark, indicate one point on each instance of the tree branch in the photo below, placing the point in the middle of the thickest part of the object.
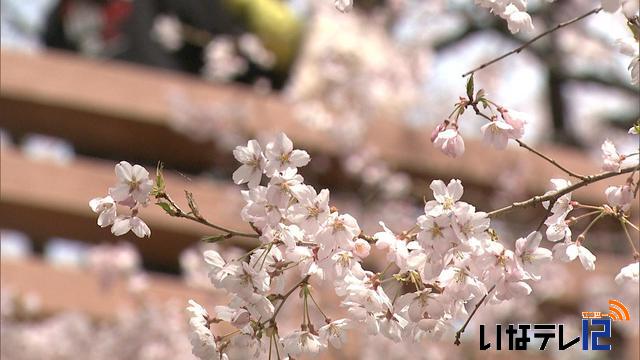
(526, 44)
(554, 195)
(464, 326)
(474, 105)
(178, 212)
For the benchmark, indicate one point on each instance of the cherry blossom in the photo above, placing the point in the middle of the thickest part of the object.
(568, 251)
(124, 224)
(449, 259)
(517, 120)
(614, 161)
(253, 163)
(133, 182)
(557, 228)
(301, 342)
(529, 254)
(496, 133)
(343, 5)
(517, 20)
(445, 197)
(334, 333)
(629, 274)
(620, 196)
(202, 341)
(106, 208)
(449, 142)
(282, 156)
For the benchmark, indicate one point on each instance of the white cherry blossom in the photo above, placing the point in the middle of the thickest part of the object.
(106, 208)
(529, 254)
(334, 333)
(133, 182)
(253, 164)
(620, 196)
(629, 274)
(282, 156)
(301, 342)
(449, 142)
(124, 224)
(445, 196)
(496, 133)
(568, 251)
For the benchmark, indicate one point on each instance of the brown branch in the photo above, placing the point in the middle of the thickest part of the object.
(554, 195)
(464, 326)
(526, 44)
(550, 160)
(474, 105)
(285, 297)
(178, 212)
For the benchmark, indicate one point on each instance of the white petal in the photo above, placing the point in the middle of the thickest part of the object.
(587, 259)
(121, 226)
(119, 192)
(124, 171)
(455, 189)
(139, 227)
(243, 174)
(439, 190)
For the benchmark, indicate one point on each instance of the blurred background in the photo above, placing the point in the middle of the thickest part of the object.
(87, 83)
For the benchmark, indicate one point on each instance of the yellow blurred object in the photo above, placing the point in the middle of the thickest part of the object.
(274, 24)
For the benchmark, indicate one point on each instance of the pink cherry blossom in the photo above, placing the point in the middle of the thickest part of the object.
(450, 143)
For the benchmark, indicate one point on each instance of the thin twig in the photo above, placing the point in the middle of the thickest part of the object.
(554, 195)
(178, 212)
(555, 163)
(285, 297)
(464, 326)
(633, 246)
(474, 106)
(526, 44)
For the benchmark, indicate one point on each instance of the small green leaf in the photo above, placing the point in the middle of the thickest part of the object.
(167, 208)
(159, 186)
(636, 127)
(470, 89)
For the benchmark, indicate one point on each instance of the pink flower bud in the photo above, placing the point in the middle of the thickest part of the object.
(516, 119)
(450, 143)
(434, 134)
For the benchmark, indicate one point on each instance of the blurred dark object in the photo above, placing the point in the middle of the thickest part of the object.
(122, 29)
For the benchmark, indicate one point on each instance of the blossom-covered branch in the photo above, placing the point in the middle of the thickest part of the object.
(509, 120)
(554, 195)
(450, 257)
(170, 206)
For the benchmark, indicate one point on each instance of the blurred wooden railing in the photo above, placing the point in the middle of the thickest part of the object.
(107, 107)
(121, 111)
(46, 199)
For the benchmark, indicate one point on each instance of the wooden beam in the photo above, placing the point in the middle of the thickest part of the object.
(44, 199)
(60, 288)
(121, 111)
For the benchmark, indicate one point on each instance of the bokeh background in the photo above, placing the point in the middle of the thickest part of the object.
(87, 83)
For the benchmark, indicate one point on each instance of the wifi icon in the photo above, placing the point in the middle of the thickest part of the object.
(618, 311)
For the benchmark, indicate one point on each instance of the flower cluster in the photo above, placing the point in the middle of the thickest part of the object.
(509, 124)
(132, 191)
(450, 257)
(514, 12)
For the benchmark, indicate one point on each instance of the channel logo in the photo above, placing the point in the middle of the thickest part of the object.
(618, 311)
